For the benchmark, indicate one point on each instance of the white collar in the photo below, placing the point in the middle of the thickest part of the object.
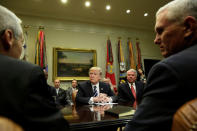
(97, 85)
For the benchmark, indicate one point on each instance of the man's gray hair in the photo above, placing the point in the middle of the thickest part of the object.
(177, 10)
(96, 68)
(132, 70)
(8, 20)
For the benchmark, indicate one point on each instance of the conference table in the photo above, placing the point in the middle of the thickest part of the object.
(93, 118)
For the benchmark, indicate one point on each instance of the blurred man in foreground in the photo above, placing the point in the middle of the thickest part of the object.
(171, 82)
(23, 96)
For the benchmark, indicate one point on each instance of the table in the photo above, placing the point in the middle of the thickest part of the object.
(92, 117)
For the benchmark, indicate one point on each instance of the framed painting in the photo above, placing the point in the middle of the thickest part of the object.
(71, 64)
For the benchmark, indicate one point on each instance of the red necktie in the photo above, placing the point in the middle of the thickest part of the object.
(134, 94)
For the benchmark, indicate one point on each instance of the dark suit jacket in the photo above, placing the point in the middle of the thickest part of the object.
(85, 92)
(24, 97)
(125, 95)
(171, 83)
(61, 97)
(52, 90)
(53, 93)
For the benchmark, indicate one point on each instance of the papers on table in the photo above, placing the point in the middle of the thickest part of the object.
(101, 104)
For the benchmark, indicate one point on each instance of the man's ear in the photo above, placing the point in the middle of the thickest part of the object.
(190, 24)
(7, 39)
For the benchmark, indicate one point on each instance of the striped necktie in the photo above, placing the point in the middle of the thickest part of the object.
(95, 92)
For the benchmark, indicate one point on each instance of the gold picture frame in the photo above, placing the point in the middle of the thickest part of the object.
(73, 63)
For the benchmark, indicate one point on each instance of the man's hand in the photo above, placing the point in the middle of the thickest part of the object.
(102, 98)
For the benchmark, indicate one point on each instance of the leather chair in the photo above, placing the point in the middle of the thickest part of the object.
(9, 125)
(74, 94)
(185, 119)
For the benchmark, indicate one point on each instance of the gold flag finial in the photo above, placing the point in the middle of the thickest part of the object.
(26, 26)
(41, 27)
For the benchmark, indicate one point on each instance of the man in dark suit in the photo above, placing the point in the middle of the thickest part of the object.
(94, 91)
(72, 91)
(125, 94)
(23, 96)
(171, 82)
(61, 95)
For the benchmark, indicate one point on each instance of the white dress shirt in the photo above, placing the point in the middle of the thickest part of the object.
(98, 91)
(57, 90)
(133, 86)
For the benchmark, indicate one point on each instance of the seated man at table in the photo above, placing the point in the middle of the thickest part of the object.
(61, 95)
(94, 91)
(23, 96)
(72, 91)
(130, 93)
(172, 81)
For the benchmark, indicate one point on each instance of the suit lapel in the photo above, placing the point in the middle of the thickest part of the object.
(89, 86)
(137, 89)
(101, 90)
(59, 92)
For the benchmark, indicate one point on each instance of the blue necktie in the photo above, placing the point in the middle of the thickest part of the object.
(95, 92)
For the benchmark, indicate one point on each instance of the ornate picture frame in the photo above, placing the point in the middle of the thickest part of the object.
(73, 63)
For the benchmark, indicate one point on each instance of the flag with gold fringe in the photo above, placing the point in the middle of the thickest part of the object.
(109, 66)
(122, 65)
(131, 55)
(139, 64)
(40, 56)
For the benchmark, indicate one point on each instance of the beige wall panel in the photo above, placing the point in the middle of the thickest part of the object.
(68, 34)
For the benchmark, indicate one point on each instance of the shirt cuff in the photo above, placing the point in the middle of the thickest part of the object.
(110, 101)
(91, 101)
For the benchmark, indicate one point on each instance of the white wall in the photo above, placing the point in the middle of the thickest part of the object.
(68, 34)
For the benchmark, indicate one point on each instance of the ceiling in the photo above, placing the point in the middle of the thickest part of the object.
(76, 11)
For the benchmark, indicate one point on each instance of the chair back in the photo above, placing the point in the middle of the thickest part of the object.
(9, 125)
(185, 118)
(74, 94)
